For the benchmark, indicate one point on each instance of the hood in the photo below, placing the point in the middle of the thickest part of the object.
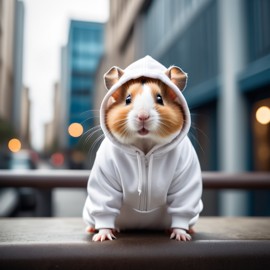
(145, 67)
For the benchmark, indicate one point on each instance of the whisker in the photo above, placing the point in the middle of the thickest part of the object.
(90, 136)
(119, 125)
(124, 131)
(197, 141)
(88, 112)
(102, 136)
(84, 138)
(195, 129)
(161, 123)
(89, 118)
(193, 126)
(94, 144)
(92, 129)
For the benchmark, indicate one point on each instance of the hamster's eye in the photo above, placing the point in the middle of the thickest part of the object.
(128, 100)
(160, 99)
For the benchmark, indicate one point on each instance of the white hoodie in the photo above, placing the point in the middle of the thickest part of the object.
(130, 190)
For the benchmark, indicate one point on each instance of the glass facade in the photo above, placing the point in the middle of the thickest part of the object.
(258, 21)
(85, 49)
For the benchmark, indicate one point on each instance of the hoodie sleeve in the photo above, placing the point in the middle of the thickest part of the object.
(104, 193)
(184, 196)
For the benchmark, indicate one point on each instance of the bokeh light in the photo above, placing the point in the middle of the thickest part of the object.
(75, 130)
(263, 115)
(57, 159)
(14, 145)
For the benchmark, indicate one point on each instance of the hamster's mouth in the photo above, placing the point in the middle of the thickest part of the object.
(143, 131)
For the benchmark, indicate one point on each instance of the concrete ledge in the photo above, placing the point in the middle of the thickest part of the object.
(219, 243)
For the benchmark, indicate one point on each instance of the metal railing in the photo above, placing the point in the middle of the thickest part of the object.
(78, 179)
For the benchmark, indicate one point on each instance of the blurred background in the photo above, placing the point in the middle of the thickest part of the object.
(53, 55)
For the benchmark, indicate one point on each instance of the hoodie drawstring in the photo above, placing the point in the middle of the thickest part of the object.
(140, 173)
(150, 165)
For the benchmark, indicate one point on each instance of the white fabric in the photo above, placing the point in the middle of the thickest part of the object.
(128, 189)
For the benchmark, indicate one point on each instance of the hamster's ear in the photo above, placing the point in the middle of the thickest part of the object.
(112, 76)
(177, 76)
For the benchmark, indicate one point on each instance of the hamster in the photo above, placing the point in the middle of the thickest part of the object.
(146, 174)
(144, 113)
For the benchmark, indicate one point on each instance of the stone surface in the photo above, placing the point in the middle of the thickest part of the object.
(61, 243)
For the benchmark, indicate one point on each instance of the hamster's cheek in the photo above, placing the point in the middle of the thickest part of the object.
(116, 120)
(171, 121)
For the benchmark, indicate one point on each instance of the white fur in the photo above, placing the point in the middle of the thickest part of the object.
(146, 103)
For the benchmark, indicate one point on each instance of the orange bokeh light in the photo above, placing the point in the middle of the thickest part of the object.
(75, 130)
(263, 115)
(14, 145)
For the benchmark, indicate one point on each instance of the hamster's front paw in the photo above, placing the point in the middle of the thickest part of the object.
(104, 234)
(180, 235)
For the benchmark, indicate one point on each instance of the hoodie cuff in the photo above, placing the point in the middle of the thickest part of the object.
(180, 222)
(105, 222)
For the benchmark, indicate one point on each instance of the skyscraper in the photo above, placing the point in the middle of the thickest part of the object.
(11, 67)
(84, 52)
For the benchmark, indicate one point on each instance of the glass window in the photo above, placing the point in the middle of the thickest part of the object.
(261, 135)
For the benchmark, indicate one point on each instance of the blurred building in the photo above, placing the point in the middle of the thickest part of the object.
(52, 129)
(81, 56)
(7, 15)
(57, 115)
(224, 46)
(25, 117)
(63, 109)
(48, 137)
(18, 66)
(11, 64)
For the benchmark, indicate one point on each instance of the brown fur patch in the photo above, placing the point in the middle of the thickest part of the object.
(116, 119)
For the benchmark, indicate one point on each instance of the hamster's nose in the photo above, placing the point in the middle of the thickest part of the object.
(143, 115)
